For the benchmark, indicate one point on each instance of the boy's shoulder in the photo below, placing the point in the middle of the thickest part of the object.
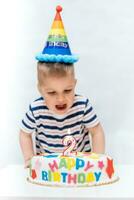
(38, 103)
(81, 98)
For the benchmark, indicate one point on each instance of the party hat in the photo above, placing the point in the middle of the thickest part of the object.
(57, 47)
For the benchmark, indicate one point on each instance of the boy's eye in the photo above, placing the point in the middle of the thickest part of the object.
(68, 91)
(52, 93)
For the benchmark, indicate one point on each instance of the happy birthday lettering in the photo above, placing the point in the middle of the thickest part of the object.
(54, 174)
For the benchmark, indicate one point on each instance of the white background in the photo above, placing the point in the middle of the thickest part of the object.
(101, 32)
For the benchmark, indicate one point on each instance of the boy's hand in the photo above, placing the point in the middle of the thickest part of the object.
(27, 163)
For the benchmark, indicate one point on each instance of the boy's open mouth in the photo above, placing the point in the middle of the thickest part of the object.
(61, 107)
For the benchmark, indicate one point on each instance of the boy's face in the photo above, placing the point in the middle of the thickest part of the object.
(59, 92)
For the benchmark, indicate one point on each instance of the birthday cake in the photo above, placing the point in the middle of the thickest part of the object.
(82, 169)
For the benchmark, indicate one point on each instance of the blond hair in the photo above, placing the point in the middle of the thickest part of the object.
(53, 69)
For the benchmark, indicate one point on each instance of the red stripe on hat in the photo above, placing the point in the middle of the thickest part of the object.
(57, 17)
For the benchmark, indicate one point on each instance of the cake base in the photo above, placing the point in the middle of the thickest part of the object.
(87, 185)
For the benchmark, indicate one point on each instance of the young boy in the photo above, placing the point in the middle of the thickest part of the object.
(57, 110)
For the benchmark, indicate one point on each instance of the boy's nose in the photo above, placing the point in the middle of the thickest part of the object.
(60, 98)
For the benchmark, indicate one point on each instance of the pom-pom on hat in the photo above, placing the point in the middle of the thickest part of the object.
(57, 47)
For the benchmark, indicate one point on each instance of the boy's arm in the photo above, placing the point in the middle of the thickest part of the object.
(98, 139)
(26, 146)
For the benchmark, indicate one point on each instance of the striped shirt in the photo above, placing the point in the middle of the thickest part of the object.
(50, 129)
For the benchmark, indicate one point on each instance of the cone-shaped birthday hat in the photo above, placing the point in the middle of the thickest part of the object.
(57, 47)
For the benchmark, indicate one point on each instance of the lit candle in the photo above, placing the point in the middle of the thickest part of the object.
(70, 142)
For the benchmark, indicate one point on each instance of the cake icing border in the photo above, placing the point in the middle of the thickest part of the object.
(86, 185)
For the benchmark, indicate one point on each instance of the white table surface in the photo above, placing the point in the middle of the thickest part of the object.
(13, 185)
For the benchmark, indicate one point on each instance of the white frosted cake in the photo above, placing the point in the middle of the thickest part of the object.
(82, 169)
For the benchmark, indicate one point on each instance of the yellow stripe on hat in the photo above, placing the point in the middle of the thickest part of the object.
(57, 24)
(57, 31)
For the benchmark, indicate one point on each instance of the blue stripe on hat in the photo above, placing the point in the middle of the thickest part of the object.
(56, 50)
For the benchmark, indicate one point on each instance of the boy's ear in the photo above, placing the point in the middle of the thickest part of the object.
(39, 88)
